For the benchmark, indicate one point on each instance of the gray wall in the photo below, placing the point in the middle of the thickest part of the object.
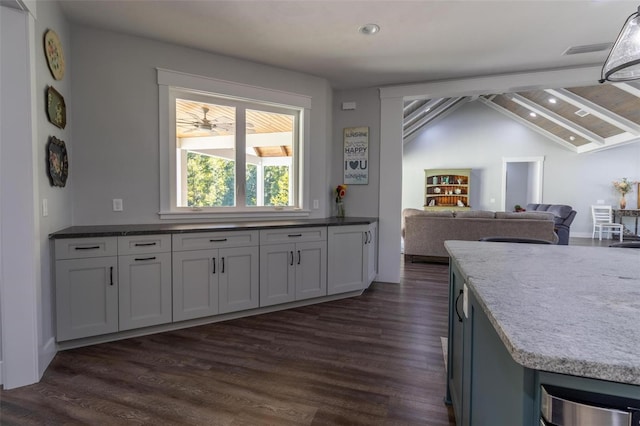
(115, 119)
(477, 136)
(361, 200)
(517, 185)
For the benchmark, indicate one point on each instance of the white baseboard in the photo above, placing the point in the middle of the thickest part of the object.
(49, 351)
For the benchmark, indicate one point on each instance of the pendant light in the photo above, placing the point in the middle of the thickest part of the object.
(623, 62)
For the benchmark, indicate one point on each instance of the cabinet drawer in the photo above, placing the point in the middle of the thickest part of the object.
(209, 240)
(80, 248)
(144, 244)
(293, 235)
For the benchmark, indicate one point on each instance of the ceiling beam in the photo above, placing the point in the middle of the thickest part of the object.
(598, 111)
(410, 105)
(447, 106)
(529, 124)
(628, 88)
(556, 118)
(420, 111)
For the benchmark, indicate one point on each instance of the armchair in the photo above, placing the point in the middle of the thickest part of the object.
(564, 215)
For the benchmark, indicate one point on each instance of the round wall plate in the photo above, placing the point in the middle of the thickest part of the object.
(54, 54)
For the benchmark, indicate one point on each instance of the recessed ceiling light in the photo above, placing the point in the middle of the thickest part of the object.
(572, 138)
(369, 29)
(533, 114)
(552, 100)
(427, 109)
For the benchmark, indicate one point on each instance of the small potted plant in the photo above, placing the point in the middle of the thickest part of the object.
(341, 191)
(518, 208)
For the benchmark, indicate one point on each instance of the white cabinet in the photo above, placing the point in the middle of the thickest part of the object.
(292, 264)
(371, 245)
(214, 272)
(238, 288)
(144, 271)
(86, 287)
(352, 263)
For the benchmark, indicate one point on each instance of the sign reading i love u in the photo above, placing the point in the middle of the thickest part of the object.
(356, 155)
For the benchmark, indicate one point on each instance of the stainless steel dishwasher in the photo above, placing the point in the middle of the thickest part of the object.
(569, 407)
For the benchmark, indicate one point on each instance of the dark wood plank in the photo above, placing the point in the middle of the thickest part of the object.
(370, 360)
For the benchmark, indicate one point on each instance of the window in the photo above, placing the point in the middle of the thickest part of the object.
(229, 155)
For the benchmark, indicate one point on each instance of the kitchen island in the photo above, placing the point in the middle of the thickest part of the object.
(524, 316)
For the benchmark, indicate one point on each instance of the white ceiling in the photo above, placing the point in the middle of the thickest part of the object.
(419, 40)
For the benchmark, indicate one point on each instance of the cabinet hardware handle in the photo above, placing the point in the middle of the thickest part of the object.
(144, 244)
(299, 257)
(456, 304)
(370, 237)
(295, 235)
(219, 240)
(291, 258)
(146, 258)
(213, 262)
(222, 272)
(111, 275)
(88, 248)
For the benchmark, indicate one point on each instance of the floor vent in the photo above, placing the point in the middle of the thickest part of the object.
(582, 113)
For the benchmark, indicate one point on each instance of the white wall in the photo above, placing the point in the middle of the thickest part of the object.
(30, 314)
(478, 137)
(59, 200)
(115, 120)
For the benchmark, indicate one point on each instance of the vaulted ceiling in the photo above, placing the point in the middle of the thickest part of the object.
(581, 119)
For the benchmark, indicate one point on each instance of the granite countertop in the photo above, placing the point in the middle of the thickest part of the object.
(563, 309)
(181, 228)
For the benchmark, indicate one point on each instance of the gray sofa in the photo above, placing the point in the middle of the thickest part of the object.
(563, 217)
(425, 232)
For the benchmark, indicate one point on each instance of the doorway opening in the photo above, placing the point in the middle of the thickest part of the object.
(521, 181)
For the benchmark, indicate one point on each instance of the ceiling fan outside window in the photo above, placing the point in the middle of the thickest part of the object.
(198, 119)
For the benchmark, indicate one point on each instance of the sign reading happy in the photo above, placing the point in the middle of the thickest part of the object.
(356, 155)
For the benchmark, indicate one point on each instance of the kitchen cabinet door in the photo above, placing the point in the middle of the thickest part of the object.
(195, 284)
(238, 279)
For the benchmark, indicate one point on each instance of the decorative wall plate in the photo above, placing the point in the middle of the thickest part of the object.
(54, 54)
(56, 108)
(58, 162)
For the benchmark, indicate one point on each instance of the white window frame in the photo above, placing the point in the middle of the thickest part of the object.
(171, 82)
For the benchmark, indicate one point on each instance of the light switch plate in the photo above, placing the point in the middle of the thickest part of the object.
(45, 207)
(117, 204)
(316, 204)
(465, 300)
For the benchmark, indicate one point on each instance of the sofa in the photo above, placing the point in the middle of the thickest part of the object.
(425, 232)
(563, 216)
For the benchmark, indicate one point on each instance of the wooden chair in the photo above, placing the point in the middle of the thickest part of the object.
(603, 221)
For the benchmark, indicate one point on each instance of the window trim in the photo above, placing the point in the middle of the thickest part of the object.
(171, 81)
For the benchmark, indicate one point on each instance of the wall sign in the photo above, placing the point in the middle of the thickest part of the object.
(356, 155)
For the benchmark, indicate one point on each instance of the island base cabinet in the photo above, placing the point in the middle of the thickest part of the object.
(86, 297)
(484, 384)
(239, 281)
(144, 290)
(195, 284)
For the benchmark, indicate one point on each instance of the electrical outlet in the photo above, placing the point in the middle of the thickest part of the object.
(117, 204)
(45, 207)
(316, 204)
(600, 202)
(493, 200)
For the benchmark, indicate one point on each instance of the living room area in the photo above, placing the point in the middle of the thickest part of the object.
(479, 138)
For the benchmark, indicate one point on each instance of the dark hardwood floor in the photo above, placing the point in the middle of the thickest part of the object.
(369, 360)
